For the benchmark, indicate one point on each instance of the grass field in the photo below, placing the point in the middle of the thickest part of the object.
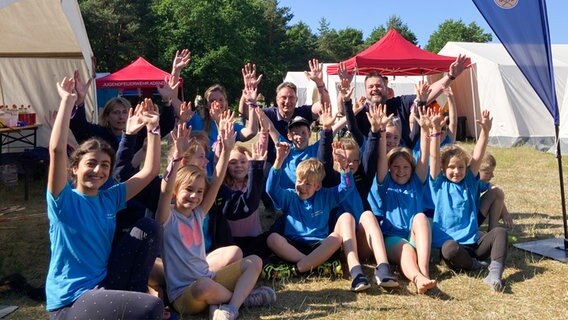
(534, 286)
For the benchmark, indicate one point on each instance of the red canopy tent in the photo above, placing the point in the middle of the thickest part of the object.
(139, 74)
(394, 55)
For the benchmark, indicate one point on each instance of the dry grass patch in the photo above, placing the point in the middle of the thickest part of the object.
(534, 286)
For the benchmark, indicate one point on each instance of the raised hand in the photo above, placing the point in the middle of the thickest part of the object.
(181, 60)
(458, 66)
(259, 151)
(226, 118)
(250, 93)
(486, 121)
(135, 120)
(315, 74)
(375, 115)
(263, 120)
(422, 90)
(168, 89)
(325, 117)
(249, 76)
(360, 105)
(282, 151)
(180, 139)
(81, 87)
(339, 155)
(150, 115)
(185, 112)
(66, 89)
(344, 76)
(424, 118)
(437, 119)
(227, 134)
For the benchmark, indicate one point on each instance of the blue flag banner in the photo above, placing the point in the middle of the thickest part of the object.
(522, 27)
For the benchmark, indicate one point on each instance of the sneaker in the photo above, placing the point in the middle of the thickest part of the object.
(384, 276)
(360, 283)
(260, 297)
(330, 269)
(212, 308)
(225, 312)
(281, 271)
(477, 265)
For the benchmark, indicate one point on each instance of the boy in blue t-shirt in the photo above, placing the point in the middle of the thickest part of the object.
(302, 235)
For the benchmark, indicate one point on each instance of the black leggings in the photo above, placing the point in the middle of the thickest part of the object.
(122, 294)
(111, 304)
(491, 245)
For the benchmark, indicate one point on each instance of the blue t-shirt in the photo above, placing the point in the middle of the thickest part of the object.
(281, 125)
(396, 204)
(81, 230)
(293, 160)
(455, 215)
(307, 220)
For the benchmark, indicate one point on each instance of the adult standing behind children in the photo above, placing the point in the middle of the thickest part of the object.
(400, 106)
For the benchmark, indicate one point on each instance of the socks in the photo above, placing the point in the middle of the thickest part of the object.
(493, 279)
(356, 270)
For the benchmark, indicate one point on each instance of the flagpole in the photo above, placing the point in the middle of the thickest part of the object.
(562, 195)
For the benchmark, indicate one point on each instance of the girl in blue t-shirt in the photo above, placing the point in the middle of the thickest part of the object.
(396, 197)
(82, 278)
(455, 191)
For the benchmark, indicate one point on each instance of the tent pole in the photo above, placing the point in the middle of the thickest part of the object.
(471, 77)
(562, 195)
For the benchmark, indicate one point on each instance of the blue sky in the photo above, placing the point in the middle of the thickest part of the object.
(422, 16)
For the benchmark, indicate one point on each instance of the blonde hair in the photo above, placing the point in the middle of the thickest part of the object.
(401, 152)
(488, 162)
(229, 180)
(109, 107)
(349, 144)
(187, 175)
(310, 169)
(451, 151)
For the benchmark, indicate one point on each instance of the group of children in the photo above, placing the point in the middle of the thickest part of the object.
(194, 234)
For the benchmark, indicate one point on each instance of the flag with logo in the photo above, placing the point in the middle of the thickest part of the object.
(522, 27)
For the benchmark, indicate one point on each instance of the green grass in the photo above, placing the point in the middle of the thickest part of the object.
(534, 286)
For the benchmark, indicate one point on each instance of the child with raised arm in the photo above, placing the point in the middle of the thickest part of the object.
(303, 237)
(191, 283)
(346, 153)
(492, 198)
(81, 278)
(454, 182)
(396, 197)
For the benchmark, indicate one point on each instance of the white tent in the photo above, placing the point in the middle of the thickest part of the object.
(42, 41)
(495, 83)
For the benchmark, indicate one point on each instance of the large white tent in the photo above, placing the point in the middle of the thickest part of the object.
(495, 83)
(42, 41)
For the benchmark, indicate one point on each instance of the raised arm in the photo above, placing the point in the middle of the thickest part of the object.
(151, 167)
(57, 177)
(435, 134)
(452, 114)
(424, 121)
(181, 60)
(227, 137)
(481, 145)
(325, 152)
(456, 68)
(249, 80)
(273, 187)
(248, 132)
(371, 150)
(266, 126)
(124, 168)
(382, 161)
(180, 139)
(316, 75)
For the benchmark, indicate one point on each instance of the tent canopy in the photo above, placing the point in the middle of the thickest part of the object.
(495, 83)
(394, 55)
(139, 74)
(42, 42)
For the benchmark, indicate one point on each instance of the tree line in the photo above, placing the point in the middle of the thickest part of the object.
(223, 35)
